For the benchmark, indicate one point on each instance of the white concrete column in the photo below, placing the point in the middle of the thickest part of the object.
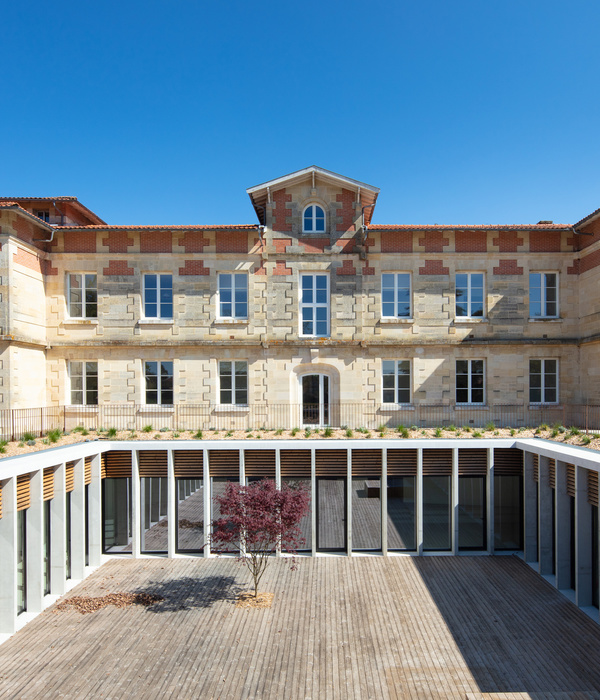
(583, 540)
(419, 501)
(136, 506)
(349, 501)
(206, 495)
(530, 515)
(544, 518)
(562, 528)
(171, 505)
(242, 468)
(35, 544)
(490, 500)
(278, 484)
(313, 502)
(383, 492)
(8, 547)
(58, 533)
(78, 522)
(95, 512)
(454, 501)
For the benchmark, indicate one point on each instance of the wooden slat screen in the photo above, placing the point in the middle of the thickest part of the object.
(367, 463)
(472, 462)
(508, 461)
(571, 480)
(295, 463)
(152, 463)
(117, 464)
(536, 468)
(259, 463)
(438, 462)
(88, 471)
(402, 462)
(103, 465)
(592, 488)
(331, 462)
(23, 491)
(552, 473)
(48, 483)
(70, 476)
(188, 464)
(224, 463)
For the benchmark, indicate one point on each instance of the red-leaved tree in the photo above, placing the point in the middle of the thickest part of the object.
(259, 519)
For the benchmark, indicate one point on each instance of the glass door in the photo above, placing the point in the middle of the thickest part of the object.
(315, 400)
(331, 515)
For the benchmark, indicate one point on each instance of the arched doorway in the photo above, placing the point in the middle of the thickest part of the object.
(314, 390)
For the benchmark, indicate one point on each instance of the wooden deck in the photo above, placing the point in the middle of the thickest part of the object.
(366, 627)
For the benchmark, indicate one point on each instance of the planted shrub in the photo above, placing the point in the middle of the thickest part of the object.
(31, 443)
(27, 437)
(111, 433)
(328, 432)
(3, 444)
(164, 429)
(585, 439)
(477, 434)
(438, 432)
(490, 426)
(147, 429)
(54, 435)
(279, 431)
(198, 435)
(573, 431)
(349, 433)
(295, 431)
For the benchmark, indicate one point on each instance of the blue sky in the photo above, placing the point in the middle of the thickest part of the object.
(164, 112)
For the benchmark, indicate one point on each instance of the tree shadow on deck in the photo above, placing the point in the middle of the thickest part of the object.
(187, 593)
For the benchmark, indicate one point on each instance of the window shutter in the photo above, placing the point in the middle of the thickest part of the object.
(259, 463)
(552, 473)
(88, 471)
(536, 468)
(23, 491)
(188, 464)
(295, 463)
(571, 480)
(49, 483)
(70, 476)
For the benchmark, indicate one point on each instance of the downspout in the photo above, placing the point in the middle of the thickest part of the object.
(364, 226)
(261, 227)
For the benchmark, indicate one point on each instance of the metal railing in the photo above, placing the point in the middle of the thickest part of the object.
(15, 424)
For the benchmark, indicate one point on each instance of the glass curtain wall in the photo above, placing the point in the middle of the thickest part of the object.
(21, 561)
(471, 512)
(154, 525)
(218, 486)
(116, 515)
(508, 512)
(366, 513)
(68, 534)
(86, 496)
(190, 515)
(306, 522)
(595, 577)
(402, 535)
(331, 515)
(47, 545)
(437, 503)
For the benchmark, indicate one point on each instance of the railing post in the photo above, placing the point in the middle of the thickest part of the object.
(12, 420)
(41, 422)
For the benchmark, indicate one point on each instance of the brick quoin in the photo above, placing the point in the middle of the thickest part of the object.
(368, 270)
(156, 242)
(508, 241)
(508, 267)
(471, 241)
(117, 268)
(589, 262)
(117, 241)
(281, 269)
(79, 241)
(25, 229)
(194, 241)
(346, 244)
(397, 242)
(575, 268)
(28, 260)
(280, 212)
(434, 267)
(260, 269)
(544, 242)
(47, 268)
(232, 242)
(434, 241)
(194, 267)
(346, 211)
(281, 244)
(347, 268)
(371, 242)
(314, 245)
(586, 241)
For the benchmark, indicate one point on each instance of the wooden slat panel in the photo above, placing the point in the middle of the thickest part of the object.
(103, 465)
(295, 463)
(592, 488)
(536, 468)
(224, 463)
(571, 480)
(508, 461)
(188, 464)
(402, 462)
(366, 463)
(88, 471)
(23, 491)
(152, 463)
(331, 462)
(48, 482)
(552, 473)
(70, 476)
(118, 464)
(438, 462)
(259, 463)
(472, 462)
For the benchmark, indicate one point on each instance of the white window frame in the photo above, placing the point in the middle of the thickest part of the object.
(236, 378)
(84, 376)
(543, 388)
(469, 298)
(159, 388)
(470, 388)
(82, 278)
(314, 305)
(43, 214)
(543, 293)
(313, 228)
(396, 388)
(233, 314)
(158, 290)
(396, 315)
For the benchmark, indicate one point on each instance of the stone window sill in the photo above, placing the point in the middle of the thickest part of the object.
(393, 407)
(81, 408)
(394, 321)
(80, 322)
(230, 408)
(549, 319)
(470, 319)
(155, 408)
(156, 322)
(471, 406)
(231, 321)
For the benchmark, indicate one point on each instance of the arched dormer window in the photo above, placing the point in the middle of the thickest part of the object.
(313, 219)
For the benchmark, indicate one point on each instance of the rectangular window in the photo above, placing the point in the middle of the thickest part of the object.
(158, 296)
(84, 383)
(395, 295)
(159, 382)
(314, 305)
(470, 382)
(233, 380)
(396, 381)
(543, 295)
(43, 214)
(233, 295)
(82, 295)
(469, 294)
(543, 381)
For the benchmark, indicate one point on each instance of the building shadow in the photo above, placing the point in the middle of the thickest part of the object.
(189, 593)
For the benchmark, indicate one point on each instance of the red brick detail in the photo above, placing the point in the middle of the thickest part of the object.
(194, 267)
(508, 267)
(194, 241)
(260, 269)
(396, 242)
(573, 242)
(117, 267)
(368, 270)
(434, 241)
(156, 242)
(281, 244)
(346, 244)
(544, 241)
(257, 246)
(508, 241)
(25, 229)
(589, 262)
(371, 241)
(434, 267)
(117, 241)
(347, 268)
(575, 267)
(80, 241)
(346, 211)
(314, 245)
(471, 241)
(280, 212)
(586, 241)
(232, 242)
(28, 260)
(281, 268)
(47, 268)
